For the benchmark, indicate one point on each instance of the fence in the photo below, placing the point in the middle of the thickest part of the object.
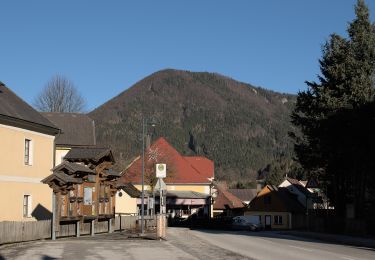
(326, 222)
(125, 222)
(12, 231)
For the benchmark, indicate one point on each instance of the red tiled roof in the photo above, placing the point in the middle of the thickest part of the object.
(182, 169)
(226, 200)
(201, 164)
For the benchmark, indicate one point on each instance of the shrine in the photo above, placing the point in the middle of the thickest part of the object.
(84, 187)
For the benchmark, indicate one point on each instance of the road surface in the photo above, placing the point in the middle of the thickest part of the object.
(271, 245)
(181, 245)
(185, 244)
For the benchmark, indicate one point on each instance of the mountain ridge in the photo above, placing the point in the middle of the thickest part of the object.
(239, 126)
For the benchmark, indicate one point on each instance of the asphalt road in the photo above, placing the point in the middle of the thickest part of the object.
(271, 245)
(181, 245)
(185, 244)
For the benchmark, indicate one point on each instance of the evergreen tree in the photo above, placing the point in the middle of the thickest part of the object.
(330, 112)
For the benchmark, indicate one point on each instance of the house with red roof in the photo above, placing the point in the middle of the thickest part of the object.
(226, 203)
(188, 180)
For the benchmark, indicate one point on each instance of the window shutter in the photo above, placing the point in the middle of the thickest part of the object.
(31, 153)
(29, 205)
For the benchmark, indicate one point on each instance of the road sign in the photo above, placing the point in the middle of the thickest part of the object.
(161, 170)
(160, 185)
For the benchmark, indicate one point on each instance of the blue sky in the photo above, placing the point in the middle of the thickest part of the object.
(104, 47)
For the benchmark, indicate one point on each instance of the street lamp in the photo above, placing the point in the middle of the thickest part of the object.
(145, 123)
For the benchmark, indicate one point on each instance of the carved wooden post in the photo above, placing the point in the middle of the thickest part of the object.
(54, 215)
(78, 231)
(110, 225)
(92, 226)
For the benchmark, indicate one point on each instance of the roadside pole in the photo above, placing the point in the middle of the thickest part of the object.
(53, 216)
(161, 172)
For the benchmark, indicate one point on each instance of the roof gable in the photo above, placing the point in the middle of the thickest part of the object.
(76, 129)
(295, 184)
(272, 198)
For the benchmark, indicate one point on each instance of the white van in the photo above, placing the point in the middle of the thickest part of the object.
(247, 223)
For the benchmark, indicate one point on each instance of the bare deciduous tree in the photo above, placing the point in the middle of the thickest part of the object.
(60, 95)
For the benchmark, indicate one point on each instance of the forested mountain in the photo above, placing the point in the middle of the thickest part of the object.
(241, 127)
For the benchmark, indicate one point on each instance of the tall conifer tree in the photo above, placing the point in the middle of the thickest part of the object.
(328, 147)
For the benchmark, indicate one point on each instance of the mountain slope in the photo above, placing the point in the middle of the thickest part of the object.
(241, 127)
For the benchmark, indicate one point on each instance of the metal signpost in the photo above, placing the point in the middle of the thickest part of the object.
(161, 172)
(162, 188)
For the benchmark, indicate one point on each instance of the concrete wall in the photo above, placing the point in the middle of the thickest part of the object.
(18, 179)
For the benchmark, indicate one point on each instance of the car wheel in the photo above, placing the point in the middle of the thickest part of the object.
(252, 228)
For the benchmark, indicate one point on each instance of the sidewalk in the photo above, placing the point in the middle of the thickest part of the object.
(334, 238)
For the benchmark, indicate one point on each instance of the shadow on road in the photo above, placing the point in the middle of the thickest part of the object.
(46, 257)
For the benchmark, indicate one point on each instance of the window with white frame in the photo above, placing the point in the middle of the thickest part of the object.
(27, 201)
(278, 220)
(28, 159)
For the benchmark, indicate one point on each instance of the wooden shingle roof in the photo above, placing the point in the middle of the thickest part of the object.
(62, 178)
(94, 154)
(73, 168)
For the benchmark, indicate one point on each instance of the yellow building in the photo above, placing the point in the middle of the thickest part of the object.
(126, 199)
(26, 157)
(77, 130)
(276, 208)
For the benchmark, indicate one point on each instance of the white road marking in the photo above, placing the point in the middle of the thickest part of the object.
(301, 248)
(347, 258)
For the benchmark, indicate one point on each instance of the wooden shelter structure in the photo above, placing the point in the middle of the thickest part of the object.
(84, 187)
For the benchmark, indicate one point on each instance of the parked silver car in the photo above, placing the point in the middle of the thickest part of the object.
(246, 223)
